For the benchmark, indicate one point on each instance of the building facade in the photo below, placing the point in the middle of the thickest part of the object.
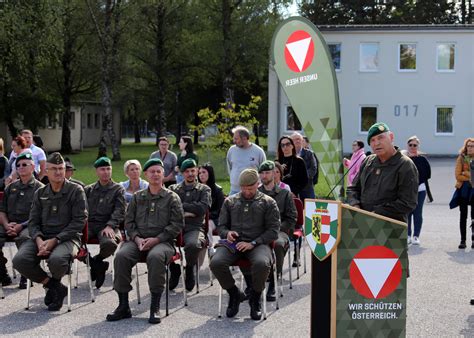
(418, 79)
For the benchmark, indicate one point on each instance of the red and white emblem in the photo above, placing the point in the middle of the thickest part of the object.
(299, 51)
(375, 272)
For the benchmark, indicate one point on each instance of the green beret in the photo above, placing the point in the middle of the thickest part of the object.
(248, 177)
(55, 158)
(151, 162)
(189, 163)
(266, 166)
(376, 129)
(24, 156)
(102, 162)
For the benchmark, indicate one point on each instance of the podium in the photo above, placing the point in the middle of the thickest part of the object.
(359, 271)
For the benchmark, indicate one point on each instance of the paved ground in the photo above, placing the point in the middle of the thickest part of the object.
(439, 290)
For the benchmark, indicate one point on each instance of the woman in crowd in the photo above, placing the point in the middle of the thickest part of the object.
(424, 173)
(358, 156)
(18, 147)
(294, 167)
(187, 151)
(4, 170)
(132, 169)
(277, 177)
(206, 176)
(465, 191)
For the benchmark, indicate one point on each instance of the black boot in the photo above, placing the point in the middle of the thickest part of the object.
(255, 305)
(462, 245)
(248, 288)
(190, 279)
(155, 308)
(235, 298)
(23, 282)
(93, 266)
(123, 309)
(57, 292)
(175, 271)
(4, 277)
(271, 289)
(101, 269)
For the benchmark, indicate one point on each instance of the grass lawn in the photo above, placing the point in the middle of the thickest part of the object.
(85, 171)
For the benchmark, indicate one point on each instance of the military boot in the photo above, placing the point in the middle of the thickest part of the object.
(93, 266)
(155, 308)
(271, 289)
(123, 309)
(248, 288)
(4, 277)
(175, 272)
(235, 298)
(190, 279)
(23, 283)
(255, 305)
(100, 270)
(58, 292)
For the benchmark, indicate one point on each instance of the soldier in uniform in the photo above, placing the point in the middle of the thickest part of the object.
(70, 169)
(154, 219)
(57, 217)
(249, 221)
(106, 203)
(196, 200)
(15, 209)
(387, 182)
(288, 216)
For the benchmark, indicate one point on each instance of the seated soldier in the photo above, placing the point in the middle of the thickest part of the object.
(106, 206)
(196, 200)
(249, 221)
(153, 220)
(70, 169)
(57, 217)
(15, 210)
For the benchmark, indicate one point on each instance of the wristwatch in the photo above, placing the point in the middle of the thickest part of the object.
(253, 243)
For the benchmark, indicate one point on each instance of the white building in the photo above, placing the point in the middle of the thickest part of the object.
(419, 79)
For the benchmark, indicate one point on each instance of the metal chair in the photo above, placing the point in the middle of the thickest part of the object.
(297, 235)
(83, 254)
(178, 256)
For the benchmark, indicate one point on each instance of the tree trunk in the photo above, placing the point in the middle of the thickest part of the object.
(66, 61)
(196, 133)
(136, 125)
(159, 70)
(227, 85)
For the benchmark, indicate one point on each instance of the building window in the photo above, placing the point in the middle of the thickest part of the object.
(335, 50)
(97, 120)
(444, 120)
(407, 57)
(445, 53)
(368, 116)
(89, 120)
(369, 57)
(292, 121)
(50, 121)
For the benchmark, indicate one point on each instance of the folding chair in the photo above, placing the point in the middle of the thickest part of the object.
(177, 256)
(297, 235)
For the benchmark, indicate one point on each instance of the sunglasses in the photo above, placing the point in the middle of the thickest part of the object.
(22, 165)
(413, 145)
(284, 145)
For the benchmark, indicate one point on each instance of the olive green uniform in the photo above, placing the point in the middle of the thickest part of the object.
(148, 215)
(258, 220)
(106, 207)
(389, 189)
(16, 205)
(288, 216)
(61, 215)
(196, 199)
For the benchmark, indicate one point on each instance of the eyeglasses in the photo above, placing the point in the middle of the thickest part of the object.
(284, 145)
(413, 145)
(22, 165)
(470, 146)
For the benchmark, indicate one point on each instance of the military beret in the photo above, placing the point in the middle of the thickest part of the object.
(376, 129)
(151, 162)
(189, 163)
(248, 177)
(266, 166)
(24, 156)
(102, 162)
(55, 158)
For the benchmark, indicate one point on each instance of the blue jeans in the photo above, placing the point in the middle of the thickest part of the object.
(417, 215)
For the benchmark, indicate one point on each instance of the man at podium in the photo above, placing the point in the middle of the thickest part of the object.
(387, 182)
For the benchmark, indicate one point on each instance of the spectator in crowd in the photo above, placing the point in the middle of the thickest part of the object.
(311, 165)
(424, 174)
(358, 156)
(18, 147)
(278, 175)
(39, 155)
(242, 155)
(168, 158)
(465, 192)
(187, 151)
(294, 167)
(207, 177)
(70, 169)
(38, 141)
(4, 166)
(132, 169)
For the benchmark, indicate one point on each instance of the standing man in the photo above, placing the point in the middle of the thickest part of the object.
(250, 221)
(311, 165)
(106, 203)
(15, 210)
(154, 219)
(39, 157)
(288, 216)
(57, 217)
(387, 182)
(242, 155)
(169, 160)
(196, 200)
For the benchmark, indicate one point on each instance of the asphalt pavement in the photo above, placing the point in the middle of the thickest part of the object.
(439, 290)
